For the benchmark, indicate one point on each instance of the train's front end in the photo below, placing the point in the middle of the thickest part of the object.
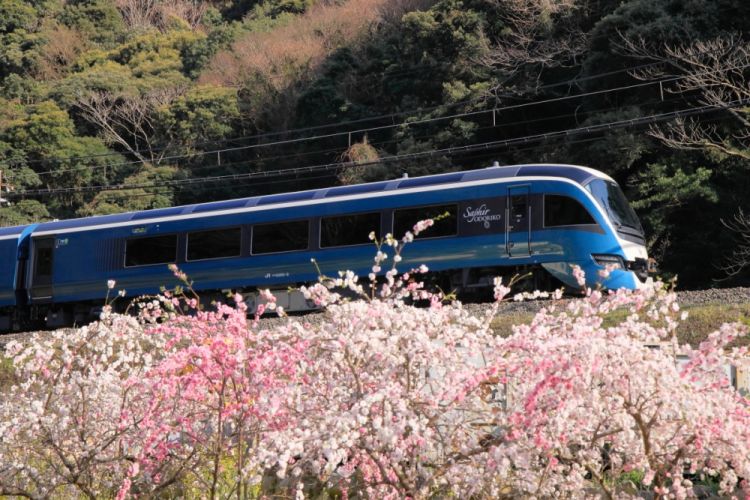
(611, 252)
(626, 258)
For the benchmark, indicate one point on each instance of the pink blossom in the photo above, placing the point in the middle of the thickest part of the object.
(579, 276)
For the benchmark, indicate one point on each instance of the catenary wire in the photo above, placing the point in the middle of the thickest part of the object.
(646, 120)
(494, 110)
(500, 125)
(568, 83)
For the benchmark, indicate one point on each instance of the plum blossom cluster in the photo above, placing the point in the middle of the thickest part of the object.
(598, 403)
(218, 403)
(537, 294)
(64, 425)
(379, 400)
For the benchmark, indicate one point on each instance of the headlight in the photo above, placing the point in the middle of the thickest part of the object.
(609, 260)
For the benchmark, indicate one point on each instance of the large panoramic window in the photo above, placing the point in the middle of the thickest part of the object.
(151, 250)
(217, 244)
(280, 237)
(446, 222)
(348, 229)
(564, 211)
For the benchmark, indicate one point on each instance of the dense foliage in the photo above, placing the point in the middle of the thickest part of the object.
(379, 400)
(97, 93)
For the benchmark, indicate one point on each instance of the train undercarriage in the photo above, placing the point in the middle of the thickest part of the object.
(469, 284)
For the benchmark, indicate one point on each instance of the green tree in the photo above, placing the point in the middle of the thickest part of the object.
(17, 15)
(196, 56)
(98, 20)
(421, 59)
(159, 58)
(45, 136)
(205, 113)
(138, 198)
(102, 76)
(23, 212)
(17, 88)
(19, 37)
(239, 9)
(676, 201)
(13, 160)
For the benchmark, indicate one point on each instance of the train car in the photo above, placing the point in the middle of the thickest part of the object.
(498, 220)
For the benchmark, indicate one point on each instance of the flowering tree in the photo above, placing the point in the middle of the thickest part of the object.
(219, 401)
(380, 399)
(401, 400)
(64, 427)
(592, 404)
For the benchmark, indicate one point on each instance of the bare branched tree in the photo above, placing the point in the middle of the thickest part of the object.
(716, 73)
(62, 47)
(189, 11)
(138, 14)
(713, 73)
(739, 260)
(130, 121)
(146, 14)
(527, 41)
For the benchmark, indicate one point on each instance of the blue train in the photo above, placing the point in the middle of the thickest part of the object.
(494, 221)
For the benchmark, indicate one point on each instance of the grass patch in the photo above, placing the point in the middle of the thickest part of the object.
(705, 319)
(701, 320)
(503, 323)
(7, 373)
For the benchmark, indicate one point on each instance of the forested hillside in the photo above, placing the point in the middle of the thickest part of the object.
(108, 106)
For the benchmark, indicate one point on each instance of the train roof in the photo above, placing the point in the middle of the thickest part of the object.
(578, 174)
(11, 231)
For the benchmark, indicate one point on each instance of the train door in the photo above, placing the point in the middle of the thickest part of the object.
(518, 224)
(42, 267)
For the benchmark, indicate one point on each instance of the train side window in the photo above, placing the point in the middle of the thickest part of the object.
(43, 265)
(518, 205)
(445, 216)
(280, 237)
(564, 211)
(216, 244)
(151, 250)
(348, 230)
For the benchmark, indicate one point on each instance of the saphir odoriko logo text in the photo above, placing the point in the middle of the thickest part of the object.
(481, 215)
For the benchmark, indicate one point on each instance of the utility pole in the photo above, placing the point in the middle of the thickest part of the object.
(8, 187)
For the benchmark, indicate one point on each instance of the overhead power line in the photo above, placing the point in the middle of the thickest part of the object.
(338, 149)
(483, 153)
(493, 112)
(645, 120)
(167, 190)
(395, 142)
(302, 154)
(409, 112)
(362, 131)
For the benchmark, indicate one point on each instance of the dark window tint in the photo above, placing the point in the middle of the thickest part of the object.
(518, 205)
(564, 211)
(280, 237)
(443, 215)
(348, 229)
(43, 261)
(154, 250)
(611, 198)
(214, 244)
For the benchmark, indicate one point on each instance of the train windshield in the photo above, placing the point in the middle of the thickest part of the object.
(611, 198)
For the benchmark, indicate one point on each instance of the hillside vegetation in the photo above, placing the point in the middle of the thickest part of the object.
(108, 106)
